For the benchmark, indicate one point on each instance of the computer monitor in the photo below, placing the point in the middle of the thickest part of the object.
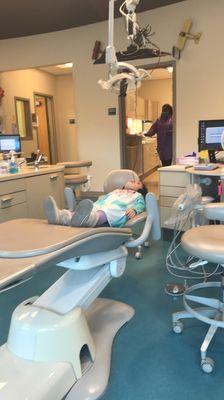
(209, 138)
(10, 142)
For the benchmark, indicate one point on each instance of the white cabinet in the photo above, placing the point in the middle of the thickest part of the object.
(130, 105)
(135, 106)
(153, 110)
(173, 181)
(150, 155)
(23, 197)
(149, 110)
(39, 187)
(140, 108)
(13, 200)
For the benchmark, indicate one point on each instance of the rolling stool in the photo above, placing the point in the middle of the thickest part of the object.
(74, 179)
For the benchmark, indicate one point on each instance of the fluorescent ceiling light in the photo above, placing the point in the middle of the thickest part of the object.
(170, 69)
(66, 65)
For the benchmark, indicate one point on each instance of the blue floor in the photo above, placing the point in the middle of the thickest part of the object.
(149, 361)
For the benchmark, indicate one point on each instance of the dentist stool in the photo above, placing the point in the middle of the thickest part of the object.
(205, 243)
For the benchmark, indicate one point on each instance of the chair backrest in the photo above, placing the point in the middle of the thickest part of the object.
(117, 178)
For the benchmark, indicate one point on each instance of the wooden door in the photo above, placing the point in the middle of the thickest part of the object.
(43, 137)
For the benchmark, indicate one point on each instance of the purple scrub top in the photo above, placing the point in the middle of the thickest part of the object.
(164, 131)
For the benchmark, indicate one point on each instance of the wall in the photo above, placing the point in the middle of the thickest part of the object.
(24, 83)
(199, 74)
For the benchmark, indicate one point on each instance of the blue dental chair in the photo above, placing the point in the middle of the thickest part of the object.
(116, 179)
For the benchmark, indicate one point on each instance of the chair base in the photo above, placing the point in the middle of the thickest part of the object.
(56, 380)
(212, 314)
(175, 289)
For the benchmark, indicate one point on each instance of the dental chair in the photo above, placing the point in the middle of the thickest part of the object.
(206, 244)
(116, 179)
(59, 344)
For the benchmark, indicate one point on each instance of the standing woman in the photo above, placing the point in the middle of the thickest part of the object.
(163, 127)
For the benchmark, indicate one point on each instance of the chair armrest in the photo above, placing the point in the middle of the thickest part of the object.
(152, 223)
(76, 164)
(137, 219)
(214, 211)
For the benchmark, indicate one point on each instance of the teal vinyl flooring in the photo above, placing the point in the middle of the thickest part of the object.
(149, 361)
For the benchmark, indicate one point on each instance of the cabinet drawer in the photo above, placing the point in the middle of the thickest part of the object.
(17, 211)
(172, 191)
(11, 199)
(39, 187)
(166, 201)
(174, 178)
(15, 185)
(165, 214)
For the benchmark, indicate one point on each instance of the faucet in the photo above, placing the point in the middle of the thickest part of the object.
(38, 159)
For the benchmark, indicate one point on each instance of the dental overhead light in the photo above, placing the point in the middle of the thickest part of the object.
(122, 71)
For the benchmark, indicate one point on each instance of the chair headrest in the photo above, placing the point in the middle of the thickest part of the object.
(117, 178)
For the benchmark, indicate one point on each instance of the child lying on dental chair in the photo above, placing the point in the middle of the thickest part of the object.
(114, 208)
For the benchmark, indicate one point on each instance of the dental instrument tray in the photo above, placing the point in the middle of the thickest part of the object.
(205, 167)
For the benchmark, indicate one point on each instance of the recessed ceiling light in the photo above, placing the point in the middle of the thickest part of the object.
(66, 65)
(170, 69)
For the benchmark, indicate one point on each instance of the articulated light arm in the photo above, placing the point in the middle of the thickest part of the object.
(130, 16)
(120, 70)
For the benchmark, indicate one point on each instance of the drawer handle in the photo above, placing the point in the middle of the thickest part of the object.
(6, 199)
(53, 177)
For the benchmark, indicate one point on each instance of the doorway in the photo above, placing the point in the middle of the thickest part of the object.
(46, 133)
(139, 109)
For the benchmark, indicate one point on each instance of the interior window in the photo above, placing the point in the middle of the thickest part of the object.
(23, 118)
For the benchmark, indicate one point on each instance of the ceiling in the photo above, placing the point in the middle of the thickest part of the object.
(158, 73)
(29, 17)
(56, 70)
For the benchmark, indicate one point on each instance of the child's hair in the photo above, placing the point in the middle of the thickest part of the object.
(143, 191)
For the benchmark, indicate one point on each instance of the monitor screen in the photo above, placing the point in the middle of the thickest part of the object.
(10, 142)
(210, 132)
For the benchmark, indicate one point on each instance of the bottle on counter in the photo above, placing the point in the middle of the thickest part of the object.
(13, 167)
(4, 167)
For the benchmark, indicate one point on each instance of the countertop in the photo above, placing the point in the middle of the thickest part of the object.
(31, 171)
(215, 172)
(174, 168)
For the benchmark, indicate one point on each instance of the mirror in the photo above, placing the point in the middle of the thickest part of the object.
(23, 118)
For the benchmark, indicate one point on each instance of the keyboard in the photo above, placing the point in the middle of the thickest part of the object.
(205, 167)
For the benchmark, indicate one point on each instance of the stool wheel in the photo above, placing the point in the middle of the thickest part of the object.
(178, 327)
(207, 365)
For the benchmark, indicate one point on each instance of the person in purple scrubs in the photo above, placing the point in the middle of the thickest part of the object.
(163, 127)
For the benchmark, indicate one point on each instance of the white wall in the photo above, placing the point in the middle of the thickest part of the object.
(200, 83)
(24, 83)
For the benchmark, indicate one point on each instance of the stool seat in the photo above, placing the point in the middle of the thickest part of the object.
(75, 179)
(76, 164)
(205, 242)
